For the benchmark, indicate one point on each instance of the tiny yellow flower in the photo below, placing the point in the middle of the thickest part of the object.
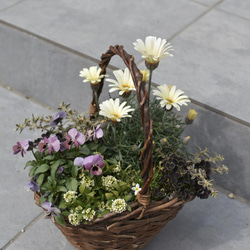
(186, 139)
(145, 75)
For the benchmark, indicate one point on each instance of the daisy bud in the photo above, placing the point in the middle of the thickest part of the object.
(191, 116)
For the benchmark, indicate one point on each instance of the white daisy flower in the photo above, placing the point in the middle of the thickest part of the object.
(124, 83)
(136, 188)
(92, 75)
(170, 97)
(153, 49)
(113, 110)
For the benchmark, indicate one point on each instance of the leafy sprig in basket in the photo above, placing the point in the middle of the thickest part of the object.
(114, 179)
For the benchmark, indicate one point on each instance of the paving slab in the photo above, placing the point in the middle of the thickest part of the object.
(91, 26)
(17, 204)
(5, 4)
(210, 63)
(240, 8)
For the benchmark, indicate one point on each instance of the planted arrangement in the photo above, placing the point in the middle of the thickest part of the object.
(90, 167)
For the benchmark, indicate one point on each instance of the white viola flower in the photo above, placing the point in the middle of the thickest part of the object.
(114, 111)
(153, 49)
(92, 75)
(170, 97)
(123, 83)
(136, 188)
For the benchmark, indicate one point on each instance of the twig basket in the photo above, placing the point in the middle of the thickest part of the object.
(129, 230)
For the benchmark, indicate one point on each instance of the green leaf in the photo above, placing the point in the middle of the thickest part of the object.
(41, 200)
(48, 157)
(91, 194)
(62, 189)
(42, 169)
(60, 219)
(63, 205)
(115, 193)
(82, 188)
(32, 171)
(54, 168)
(74, 171)
(29, 163)
(109, 196)
(84, 150)
(40, 179)
(72, 184)
(102, 149)
(93, 146)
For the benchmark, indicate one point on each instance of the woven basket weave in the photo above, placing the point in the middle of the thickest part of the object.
(129, 230)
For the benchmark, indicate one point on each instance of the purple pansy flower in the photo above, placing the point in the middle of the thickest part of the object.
(49, 143)
(32, 186)
(21, 147)
(49, 209)
(57, 118)
(95, 133)
(94, 163)
(75, 137)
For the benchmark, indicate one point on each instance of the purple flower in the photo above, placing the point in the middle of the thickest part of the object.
(57, 118)
(94, 163)
(21, 147)
(95, 133)
(49, 143)
(32, 186)
(49, 209)
(73, 137)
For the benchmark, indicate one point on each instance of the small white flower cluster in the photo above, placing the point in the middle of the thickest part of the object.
(73, 219)
(118, 205)
(87, 181)
(108, 182)
(88, 214)
(70, 196)
(117, 169)
(102, 206)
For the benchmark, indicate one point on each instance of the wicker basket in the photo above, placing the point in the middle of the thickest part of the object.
(129, 230)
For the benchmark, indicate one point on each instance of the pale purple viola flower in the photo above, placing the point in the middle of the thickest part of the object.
(21, 147)
(94, 163)
(51, 143)
(95, 133)
(50, 210)
(59, 116)
(73, 137)
(32, 186)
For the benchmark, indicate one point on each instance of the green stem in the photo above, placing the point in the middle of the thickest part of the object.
(149, 83)
(164, 118)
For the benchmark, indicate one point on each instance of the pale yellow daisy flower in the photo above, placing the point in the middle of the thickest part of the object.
(113, 110)
(123, 83)
(91, 75)
(170, 97)
(153, 49)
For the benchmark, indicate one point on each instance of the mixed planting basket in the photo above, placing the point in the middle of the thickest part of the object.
(113, 180)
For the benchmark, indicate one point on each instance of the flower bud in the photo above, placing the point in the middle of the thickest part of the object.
(163, 141)
(186, 139)
(191, 116)
(145, 75)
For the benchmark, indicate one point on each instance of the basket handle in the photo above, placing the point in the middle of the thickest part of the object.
(147, 123)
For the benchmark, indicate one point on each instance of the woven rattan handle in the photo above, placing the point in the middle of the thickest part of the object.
(146, 155)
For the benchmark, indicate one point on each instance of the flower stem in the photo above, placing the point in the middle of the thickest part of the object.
(149, 83)
(96, 100)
